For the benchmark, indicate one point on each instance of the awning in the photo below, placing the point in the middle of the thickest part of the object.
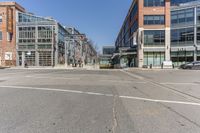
(123, 54)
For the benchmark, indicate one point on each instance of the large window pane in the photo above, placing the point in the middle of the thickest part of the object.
(151, 3)
(0, 35)
(154, 38)
(182, 17)
(183, 36)
(154, 19)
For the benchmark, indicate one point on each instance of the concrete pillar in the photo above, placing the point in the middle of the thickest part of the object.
(66, 53)
(36, 58)
(56, 45)
(23, 59)
(17, 59)
(140, 50)
(167, 44)
(195, 34)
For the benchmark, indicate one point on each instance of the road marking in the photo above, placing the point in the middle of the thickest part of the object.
(132, 75)
(124, 81)
(170, 83)
(38, 77)
(101, 94)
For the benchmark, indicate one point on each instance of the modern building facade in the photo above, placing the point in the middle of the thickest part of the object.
(106, 57)
(80, 51)
(40, 41)
(177, 2)
(158, 30)
(185, 33)
(144, 38)
(28, 39)
(8, 32)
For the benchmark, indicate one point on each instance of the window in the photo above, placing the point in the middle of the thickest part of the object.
(154, 58)
(182, 17)
(9, 36)
(198, 15)
(151, 3)
(154, 37)
(177, 2)
(154, 20)
(1, 35)
(1, 19)
(198, 35)
(184, 36)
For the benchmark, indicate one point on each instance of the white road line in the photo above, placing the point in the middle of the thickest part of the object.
(170, 83)
(101, 94)
(124, 81)
(38, 77)
(160, 101)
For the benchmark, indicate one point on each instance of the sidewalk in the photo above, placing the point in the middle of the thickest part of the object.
(3, 67)
(148, 69)
(55, 68)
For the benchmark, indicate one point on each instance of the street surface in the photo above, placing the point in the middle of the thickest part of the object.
(102, 101)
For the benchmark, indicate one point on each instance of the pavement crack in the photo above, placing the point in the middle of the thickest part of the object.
(115, 123)
(179, 114)
(170, 109)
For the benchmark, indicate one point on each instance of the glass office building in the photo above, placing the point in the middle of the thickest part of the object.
(185, 33)
(178, 2)
(144, 38)
(160, 30)
(40, 41)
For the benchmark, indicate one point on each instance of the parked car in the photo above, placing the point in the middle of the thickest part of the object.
(192, 65)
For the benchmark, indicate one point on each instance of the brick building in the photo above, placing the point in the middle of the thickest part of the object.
(159, 30)
(8, 32)
(144, 38)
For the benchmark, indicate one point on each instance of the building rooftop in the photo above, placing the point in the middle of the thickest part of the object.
(12, 3)
(186, 5)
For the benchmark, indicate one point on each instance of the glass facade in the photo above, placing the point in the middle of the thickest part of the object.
(198, 55)
(177, 2)
(1, 19)
(198, 15)
(182, 57)
(45, 34)
(23, 17)
(1, 35)
(154, 58)
(184, 36)
(154, 20)
(26, 34)
(108, 50)
(154, 38)
(151, 3)
(182, 17)
(36, 38)
(130, 26)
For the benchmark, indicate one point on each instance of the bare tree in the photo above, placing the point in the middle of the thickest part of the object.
(95, 46)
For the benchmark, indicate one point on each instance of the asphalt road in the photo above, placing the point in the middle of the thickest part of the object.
(104, 101)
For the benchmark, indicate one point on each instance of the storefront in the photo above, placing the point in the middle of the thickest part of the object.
(33, 58)
(198, 55)
(181, 57)
(154, 58)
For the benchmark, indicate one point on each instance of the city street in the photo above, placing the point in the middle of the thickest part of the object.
(99, 101)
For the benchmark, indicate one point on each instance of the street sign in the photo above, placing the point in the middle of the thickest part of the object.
(8, 55)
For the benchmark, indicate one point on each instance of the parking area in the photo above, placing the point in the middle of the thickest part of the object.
(101, 101)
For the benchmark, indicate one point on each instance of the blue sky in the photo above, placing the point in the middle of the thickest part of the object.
(101, 20)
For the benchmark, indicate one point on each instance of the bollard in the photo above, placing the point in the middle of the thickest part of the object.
(151, 66)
